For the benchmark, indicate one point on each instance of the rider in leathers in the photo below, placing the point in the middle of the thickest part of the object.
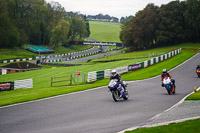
(198, 67)
(115, 75)
(166, 74)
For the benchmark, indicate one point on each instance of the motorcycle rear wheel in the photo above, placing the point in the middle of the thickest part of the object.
(174, 90)
(126, 95)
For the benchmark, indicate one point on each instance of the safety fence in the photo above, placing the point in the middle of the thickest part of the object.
(98, 75)
(14, 85)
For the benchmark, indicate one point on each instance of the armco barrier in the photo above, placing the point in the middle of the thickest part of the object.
(97, 75)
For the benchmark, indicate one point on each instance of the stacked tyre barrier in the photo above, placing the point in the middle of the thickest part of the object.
(98, 75)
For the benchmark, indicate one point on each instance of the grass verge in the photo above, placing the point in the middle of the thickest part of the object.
(194, 96)
(191, 126)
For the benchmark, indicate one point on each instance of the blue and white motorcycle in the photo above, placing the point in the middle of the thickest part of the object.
(168, 84)
(117, 90)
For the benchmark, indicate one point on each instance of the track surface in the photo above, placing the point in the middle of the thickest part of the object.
(95, 111)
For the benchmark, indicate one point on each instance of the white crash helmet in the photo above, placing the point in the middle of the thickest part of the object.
(113, 72)
(164, 71)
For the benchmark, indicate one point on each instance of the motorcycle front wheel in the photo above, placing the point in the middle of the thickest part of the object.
(168, 90)
(115, 95)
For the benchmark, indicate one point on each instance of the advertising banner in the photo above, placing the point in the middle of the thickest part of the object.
(6, 86)
(133, 67)
(95, 43)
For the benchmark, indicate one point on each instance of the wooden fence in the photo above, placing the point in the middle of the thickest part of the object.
(62, 79)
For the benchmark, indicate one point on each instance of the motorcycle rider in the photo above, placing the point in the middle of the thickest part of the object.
(198, 67)
(166, 74)
(115, 75)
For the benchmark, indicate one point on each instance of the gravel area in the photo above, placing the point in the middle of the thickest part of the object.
(183, 111)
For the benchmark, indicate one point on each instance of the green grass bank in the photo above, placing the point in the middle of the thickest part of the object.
(105, 31)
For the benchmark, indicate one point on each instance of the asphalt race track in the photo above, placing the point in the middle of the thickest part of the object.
(94, 111)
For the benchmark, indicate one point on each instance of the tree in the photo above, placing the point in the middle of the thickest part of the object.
(87, 26)
(171, 27)
(139, 33)
(59, 33)
(9, 36)
(77, 28)
(126, 34)
(122, 20)
(145, 27)
(192, 18)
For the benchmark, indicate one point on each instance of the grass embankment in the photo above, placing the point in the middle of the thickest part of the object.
(191, 126)
(105, 31)
(16, 53)
(41, 78)
(138, 54)
(194, 96)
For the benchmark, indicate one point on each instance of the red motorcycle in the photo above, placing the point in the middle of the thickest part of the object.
(198, 72)
(168, 84)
